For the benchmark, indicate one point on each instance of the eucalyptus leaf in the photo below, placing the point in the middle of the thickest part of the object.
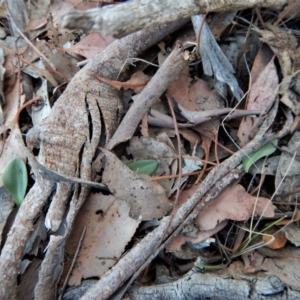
(15, 180)
(143, 166)
(264, 151)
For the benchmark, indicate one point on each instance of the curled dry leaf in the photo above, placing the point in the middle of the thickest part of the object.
(274, 241)
(108, 230)
(147, 200)
(137, 82)
(262, 58)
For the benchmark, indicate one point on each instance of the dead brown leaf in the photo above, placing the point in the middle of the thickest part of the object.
(193, 96)
(262, 58)
(108, 230)
(233, 203)
(147, 199)
(261, 97)
(91, 45)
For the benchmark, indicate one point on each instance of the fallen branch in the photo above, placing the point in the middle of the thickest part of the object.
(113, 19)
(166, 74)
(159, 119)
(203, 286)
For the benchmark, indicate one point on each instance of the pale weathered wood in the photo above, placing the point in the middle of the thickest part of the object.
(122, 19)
(212, 286)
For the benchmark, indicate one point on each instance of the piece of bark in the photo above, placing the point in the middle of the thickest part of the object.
(114, 19)
(143, 251)
(166, 74)
(213, 286)
(69, 138)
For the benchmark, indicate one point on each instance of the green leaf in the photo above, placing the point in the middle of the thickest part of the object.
(15, 180)
(143, 166)
(265, 150)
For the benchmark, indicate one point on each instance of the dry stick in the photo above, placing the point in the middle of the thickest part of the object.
(140, 254)
(113, 19)
(166, 74)
(198, 117)
(73, 263)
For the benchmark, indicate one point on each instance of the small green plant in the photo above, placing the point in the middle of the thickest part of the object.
(15, 180)
(143, 166)
(266, 150)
